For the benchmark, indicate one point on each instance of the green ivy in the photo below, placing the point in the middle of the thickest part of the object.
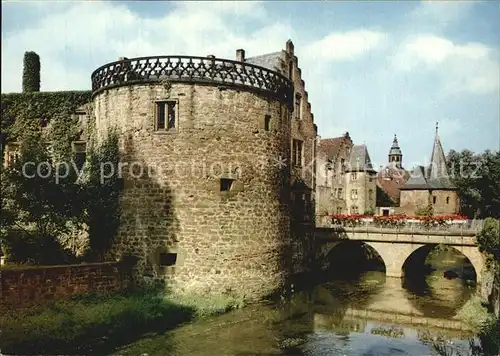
(33, 201)
(31, 72)
(36, 108)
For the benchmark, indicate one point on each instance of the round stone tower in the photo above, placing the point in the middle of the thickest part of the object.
(205, 199)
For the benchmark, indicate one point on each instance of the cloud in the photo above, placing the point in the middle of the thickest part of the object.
(460, 68)
(339, 46)
(74, 42)
(439, 14)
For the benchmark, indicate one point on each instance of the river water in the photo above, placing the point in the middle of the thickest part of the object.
(366, 315)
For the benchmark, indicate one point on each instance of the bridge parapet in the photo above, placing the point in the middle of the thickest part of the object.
(409, 226)
(395, 236)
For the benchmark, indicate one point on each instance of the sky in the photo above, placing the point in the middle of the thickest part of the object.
(372, 68)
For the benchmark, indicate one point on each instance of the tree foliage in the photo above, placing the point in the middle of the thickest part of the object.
(477, 178)
(39, 200)
(488, 239)
(31, 72)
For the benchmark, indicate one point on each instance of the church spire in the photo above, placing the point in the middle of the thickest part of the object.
(395, 154)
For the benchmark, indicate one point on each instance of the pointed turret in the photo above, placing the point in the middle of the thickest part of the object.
(437, 175)
(395, 154)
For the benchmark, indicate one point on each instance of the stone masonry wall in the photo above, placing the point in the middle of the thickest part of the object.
(226, 241)
(24, 286)
(412, 200)
(447, 202)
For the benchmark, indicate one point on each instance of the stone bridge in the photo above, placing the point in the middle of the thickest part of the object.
(396, 245)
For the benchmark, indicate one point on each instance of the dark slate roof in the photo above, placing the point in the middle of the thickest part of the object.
(438, 176)
(270, 61)
(435, 176)
(417, 179)
(359, 160)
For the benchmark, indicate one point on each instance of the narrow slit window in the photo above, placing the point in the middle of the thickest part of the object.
(168, 259)
(267, 122)
(226, 184)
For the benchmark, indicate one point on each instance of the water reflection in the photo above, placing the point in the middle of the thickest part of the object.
(363, 314)
(370, 315)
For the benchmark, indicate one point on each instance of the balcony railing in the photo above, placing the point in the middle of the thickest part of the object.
(190, 69)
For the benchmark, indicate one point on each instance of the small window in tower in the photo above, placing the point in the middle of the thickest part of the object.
(166, 115)
(226, 184)
(297, 153)
(80, 153)
(434, 200)
(339, 210)
(167, 259)
(267, 122)
(447, 200)
(298, 106)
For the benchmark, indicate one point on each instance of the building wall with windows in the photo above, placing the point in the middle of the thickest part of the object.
(361, 192)
(332, 158)
(346, 178)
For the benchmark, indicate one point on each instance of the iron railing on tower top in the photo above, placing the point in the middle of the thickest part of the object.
(189, 69)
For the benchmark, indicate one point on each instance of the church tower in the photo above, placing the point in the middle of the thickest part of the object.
(395, 155)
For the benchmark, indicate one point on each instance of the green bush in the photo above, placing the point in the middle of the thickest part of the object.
(31, 72)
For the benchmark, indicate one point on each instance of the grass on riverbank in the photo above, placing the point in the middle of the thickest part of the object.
(98, 324)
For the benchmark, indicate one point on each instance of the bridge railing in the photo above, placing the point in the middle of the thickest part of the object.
(457, 227)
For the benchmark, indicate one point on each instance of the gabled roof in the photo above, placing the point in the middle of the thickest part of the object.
(359, 160)
(417, 179)
(329, 147)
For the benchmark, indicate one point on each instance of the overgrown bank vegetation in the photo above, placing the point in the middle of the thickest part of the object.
(100, 324)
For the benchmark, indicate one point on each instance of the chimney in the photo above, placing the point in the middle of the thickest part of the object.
(240, 55)
(122, 58)
(211, 56)
(289, 47)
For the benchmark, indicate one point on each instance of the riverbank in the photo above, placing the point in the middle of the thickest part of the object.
(98, 324)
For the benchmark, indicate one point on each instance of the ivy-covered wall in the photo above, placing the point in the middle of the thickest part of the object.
(37, 107)
(26, 113)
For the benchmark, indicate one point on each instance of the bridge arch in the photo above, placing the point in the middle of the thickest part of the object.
(418, 256)
(334, 252)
